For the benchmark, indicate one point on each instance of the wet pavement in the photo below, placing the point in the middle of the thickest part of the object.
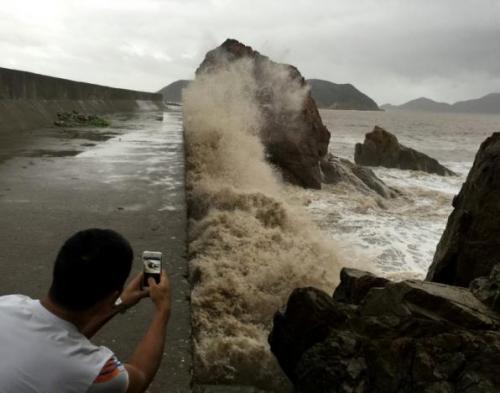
(130, 178)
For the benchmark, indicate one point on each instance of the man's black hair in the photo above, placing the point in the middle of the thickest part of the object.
(90, 265)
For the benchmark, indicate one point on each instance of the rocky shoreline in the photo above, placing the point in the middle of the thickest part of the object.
(251, 123)
(374, 335)
(470, 245)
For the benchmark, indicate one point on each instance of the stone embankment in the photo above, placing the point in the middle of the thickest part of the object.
(29, 100)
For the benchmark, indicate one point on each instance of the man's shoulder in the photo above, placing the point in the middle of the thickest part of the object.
(15, 298)
(15, 304)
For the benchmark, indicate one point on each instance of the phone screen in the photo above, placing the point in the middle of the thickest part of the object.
(152, 262)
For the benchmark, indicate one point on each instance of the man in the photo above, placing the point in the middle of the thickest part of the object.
(44, 344)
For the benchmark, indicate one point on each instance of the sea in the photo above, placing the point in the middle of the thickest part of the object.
(398, 236)
(254, 239)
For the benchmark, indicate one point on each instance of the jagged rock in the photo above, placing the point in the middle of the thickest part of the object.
(433, 301)
(381, 148)
(292, 336)
(337, 170)
(487, 289)
(407, 337)
(355, 284)
(470, 245)
(295, 137)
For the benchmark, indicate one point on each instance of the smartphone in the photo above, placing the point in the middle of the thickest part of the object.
(152, 262)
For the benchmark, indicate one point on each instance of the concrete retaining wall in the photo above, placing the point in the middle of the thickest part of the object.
(29, 100)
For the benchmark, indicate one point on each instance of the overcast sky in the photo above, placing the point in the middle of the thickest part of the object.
(392, 50)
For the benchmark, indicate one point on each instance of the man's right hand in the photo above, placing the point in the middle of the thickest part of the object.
(160, 293)
(147, 356)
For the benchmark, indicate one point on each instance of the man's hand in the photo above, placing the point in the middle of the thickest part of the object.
(129, 297)
(160, 293)
(132, 293)
(146, 359)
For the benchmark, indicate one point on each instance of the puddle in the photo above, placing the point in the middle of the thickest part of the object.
(52, 153)
(90, 134)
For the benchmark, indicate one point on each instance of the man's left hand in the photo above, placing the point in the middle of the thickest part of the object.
(133, 292)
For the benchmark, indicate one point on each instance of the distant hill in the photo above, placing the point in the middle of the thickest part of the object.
(173, 91)
(488, 104)
(424, 104)
(331, 95)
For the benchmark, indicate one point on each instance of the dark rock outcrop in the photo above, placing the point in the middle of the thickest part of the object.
(329, 95)
(470, 245)
(336, 170)
(295, 138)
(355, 284)
(381, 148)
(487, 289)
(377, 336)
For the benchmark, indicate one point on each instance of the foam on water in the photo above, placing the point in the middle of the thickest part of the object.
(398, 236)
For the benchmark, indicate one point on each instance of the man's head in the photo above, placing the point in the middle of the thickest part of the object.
(91, 265)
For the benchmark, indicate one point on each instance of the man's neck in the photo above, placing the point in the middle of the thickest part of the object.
(79, 319)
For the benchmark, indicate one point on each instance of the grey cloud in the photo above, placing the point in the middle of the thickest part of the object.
(392, 50)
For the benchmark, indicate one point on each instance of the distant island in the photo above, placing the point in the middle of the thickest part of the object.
(328, 95)
(173, 91)
(489, 104)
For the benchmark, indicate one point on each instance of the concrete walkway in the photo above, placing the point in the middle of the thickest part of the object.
(57, 182)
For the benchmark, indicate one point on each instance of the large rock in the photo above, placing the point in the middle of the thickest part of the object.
(294, 135)
(487, 289)
(355, 284)
(386, 337)
(470, 245)
(364, 180)
(381, 148)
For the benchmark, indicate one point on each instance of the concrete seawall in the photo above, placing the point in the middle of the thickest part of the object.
(29, 100)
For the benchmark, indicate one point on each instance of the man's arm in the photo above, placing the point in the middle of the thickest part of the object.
(147, 356)
(130, 296)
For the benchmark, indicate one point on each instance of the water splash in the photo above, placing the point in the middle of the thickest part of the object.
(249, 244)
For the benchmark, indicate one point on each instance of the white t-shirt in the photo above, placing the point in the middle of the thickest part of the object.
(42, 353)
